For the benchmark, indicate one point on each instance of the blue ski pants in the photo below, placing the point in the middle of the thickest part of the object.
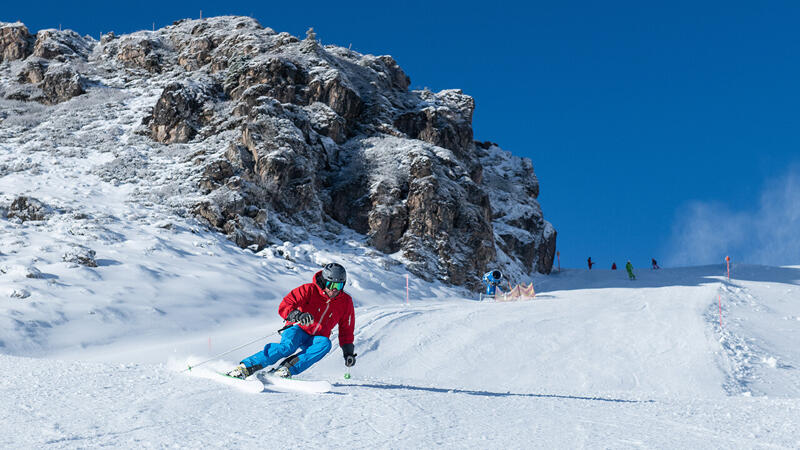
(313, 348)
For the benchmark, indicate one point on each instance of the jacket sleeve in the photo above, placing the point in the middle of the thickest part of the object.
(347, 324)
(293, 300)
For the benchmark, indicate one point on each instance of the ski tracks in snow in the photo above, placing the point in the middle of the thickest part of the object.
(752, 363)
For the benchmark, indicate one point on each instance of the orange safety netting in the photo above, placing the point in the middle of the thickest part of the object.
(520, 292)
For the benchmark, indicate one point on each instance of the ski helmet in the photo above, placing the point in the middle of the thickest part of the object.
(334, 272)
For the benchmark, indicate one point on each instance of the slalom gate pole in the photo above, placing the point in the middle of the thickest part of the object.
(190, 367)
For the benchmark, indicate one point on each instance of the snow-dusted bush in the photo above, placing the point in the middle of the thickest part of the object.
(80, 255)
(21, 114)
(28, 209)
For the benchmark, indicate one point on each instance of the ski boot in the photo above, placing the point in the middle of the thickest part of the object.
(239, 372)
(281, 371)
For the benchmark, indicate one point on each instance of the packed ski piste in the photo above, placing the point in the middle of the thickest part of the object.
(686, 358)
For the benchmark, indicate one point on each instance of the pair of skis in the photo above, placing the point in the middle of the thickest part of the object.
(263, 381)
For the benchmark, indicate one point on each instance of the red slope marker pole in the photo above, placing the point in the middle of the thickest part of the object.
(728, 263)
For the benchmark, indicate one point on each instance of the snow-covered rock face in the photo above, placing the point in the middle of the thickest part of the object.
(283, 138)
(52, 64)
(15, 41)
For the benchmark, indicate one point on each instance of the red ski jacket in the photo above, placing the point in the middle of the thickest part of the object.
(327, 312)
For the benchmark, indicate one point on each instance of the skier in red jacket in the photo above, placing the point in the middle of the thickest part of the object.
(314, 308)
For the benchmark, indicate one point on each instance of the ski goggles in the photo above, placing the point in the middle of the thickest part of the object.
(334, 285)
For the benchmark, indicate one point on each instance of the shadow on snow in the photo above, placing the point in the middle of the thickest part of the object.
(486, 393)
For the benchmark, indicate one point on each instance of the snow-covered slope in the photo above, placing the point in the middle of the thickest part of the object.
(594, 361)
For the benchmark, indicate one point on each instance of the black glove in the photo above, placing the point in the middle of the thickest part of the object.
(301, 318)
(349, 356)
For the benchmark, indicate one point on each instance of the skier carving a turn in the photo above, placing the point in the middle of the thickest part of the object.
(314, 308)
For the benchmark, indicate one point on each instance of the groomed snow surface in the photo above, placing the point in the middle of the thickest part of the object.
(94, 356)
(595, 361)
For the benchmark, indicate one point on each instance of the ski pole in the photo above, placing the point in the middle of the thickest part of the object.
(190, 367)
(346, 370)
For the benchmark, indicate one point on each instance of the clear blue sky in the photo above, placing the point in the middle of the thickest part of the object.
(630, 111)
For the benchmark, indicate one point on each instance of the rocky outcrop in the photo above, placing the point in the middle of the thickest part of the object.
(520, 229)
(278, 78)
(140, 51)
(48, 74)
(292, 138)
(326, 122)
(285, 166)
(32, 72)
(15, 41)
(61, 45)
(181, 111)
(444, 119)
(449, 215)
(336, 93)
(61, 83)
(304, 113)
(197, 54)
(395, 75)
(47, 83)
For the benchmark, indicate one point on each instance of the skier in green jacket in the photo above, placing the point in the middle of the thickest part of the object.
(629, 268)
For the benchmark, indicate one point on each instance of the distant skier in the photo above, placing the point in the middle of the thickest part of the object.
(314, 308)
(613, 266)
(492, 281)
(654, 264)
(629, 269)
(590, 262)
